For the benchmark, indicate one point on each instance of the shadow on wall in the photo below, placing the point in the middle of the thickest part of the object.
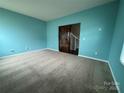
(116, 48)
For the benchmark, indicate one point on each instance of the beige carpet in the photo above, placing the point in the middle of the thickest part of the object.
(48, 71)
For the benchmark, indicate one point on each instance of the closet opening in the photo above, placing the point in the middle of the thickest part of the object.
(69, 38)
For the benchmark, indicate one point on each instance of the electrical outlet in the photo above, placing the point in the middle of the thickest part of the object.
(27, 48)
(12, 51)
(84, 38)
(100, 29)
(96, 53)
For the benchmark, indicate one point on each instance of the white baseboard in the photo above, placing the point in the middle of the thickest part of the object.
(31, 51)
(106, 61)
(36, 50)
(52, 49)
(116, 83)
(83, 56)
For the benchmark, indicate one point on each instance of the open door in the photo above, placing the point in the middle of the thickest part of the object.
(69, 38)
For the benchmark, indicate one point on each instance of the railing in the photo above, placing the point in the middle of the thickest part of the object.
(76, 39)
(74, 36)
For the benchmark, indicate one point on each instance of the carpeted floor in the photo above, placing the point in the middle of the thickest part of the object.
(48, 71)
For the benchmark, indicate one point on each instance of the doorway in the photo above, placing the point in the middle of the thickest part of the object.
(69, 38)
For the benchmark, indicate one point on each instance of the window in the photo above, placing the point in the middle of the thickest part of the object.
(122, 56)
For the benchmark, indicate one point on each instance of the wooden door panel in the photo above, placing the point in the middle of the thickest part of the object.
(64, 39)
(67, 41)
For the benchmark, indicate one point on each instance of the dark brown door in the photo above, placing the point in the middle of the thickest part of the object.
(69, 38)
(64, 39)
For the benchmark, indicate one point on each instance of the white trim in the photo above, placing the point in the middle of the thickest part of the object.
(53, 49)
(31, 51)
(106, 61)
(122, 61)
(122, 56)
(116, 83)
(36, 50)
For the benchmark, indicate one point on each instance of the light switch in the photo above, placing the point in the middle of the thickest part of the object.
(100, 29)
(84, 38)
(96, 53)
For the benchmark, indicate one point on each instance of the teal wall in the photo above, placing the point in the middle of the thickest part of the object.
(91, 20)
(20, 33)
(117, 44)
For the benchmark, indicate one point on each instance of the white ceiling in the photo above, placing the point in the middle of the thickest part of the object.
(49, 9)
